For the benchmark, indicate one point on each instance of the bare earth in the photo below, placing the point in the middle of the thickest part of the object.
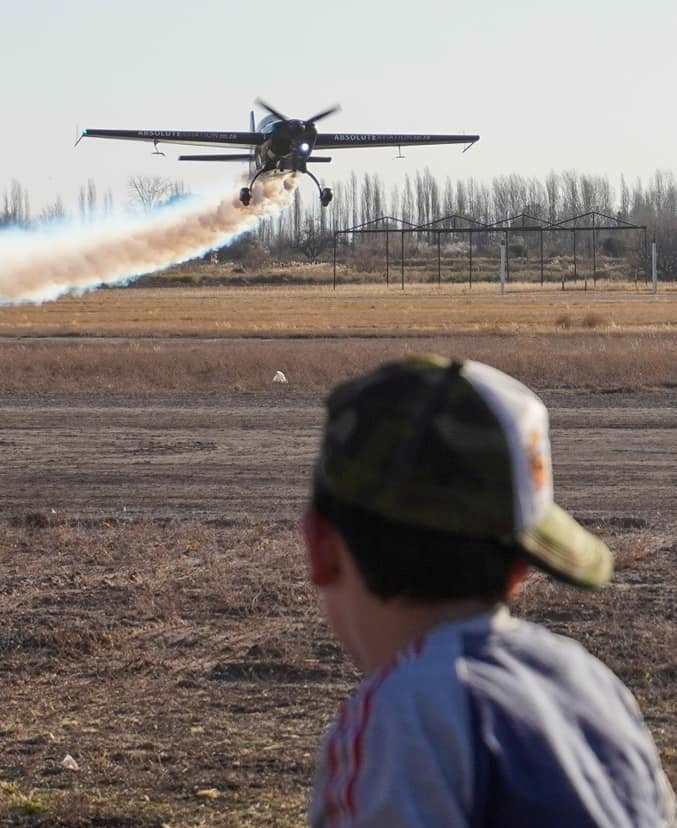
(247, 456)
(155, 620)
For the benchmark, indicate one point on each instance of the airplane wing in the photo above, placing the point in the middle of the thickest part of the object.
(196, 139)
(355, 139)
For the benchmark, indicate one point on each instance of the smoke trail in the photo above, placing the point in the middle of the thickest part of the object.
(43, 265)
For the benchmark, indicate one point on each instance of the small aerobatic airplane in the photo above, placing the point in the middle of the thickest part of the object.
(279, 144)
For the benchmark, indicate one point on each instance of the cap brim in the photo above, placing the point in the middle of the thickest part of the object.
(562, 547)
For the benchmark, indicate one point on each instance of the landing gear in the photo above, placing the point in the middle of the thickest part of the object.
(326, 194)
(246, 192)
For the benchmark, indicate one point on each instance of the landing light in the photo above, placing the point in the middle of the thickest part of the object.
(304, 147)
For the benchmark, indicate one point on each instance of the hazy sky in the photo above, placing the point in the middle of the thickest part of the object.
(585, 84)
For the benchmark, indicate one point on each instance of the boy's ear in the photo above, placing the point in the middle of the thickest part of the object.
(323, 547)
(517, 576)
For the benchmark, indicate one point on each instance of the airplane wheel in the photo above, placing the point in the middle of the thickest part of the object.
(245, 196)
(326, 196)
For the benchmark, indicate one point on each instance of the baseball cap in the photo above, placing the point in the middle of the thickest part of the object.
(458, 447)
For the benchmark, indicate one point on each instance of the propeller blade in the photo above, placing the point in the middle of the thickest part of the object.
(270, 109)
(324, 114)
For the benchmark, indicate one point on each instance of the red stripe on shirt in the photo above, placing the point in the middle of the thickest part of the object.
(343, 801)
(358, 739)
(331, 804)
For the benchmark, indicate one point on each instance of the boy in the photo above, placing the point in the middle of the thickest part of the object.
(432, 496)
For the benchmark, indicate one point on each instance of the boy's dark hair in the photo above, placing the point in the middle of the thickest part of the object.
(427, 565)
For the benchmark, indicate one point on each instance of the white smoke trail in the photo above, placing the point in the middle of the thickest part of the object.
(43, 265)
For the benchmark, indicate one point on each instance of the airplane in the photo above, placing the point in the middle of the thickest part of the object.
(278, 144)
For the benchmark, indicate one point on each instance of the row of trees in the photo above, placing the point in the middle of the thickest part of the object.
(144, 192)
(422, 198)
(306, 229)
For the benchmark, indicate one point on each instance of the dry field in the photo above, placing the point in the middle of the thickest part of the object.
(603, 361)
(348, 311)
(368, 266)
(155, 621)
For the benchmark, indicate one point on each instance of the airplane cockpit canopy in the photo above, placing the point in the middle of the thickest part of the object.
(266, 124)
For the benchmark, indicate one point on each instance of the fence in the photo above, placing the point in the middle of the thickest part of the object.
(591, 223)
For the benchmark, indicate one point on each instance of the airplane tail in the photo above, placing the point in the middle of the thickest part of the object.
(252, 162)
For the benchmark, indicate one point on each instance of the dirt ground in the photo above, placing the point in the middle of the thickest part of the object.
(246, 456)
(155, 620)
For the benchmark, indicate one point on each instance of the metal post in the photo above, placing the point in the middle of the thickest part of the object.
(594, 253)
(402, 261)
(439, 259)
(575, 265)
(654, 263)
(335, 241)
(542, 277)
(387, 257)
(470, 260)
(507, 258)
(585, 279)
(504, 259)
(644, 258)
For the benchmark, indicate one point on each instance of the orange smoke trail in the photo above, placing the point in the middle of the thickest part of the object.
(37, 267)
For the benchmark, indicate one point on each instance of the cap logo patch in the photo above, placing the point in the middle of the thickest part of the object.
(538, 468)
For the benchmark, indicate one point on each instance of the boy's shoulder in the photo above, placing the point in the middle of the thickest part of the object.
(500, 699)
(512, 669)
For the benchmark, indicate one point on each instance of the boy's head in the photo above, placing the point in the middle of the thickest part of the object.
(434, 485)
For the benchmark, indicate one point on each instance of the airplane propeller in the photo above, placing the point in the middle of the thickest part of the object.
(324, 114)
(272, 111)
(320, 115)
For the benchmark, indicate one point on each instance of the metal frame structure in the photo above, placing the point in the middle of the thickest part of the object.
(594, 222)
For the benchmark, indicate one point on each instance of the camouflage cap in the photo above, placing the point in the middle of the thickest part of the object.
(459, 447)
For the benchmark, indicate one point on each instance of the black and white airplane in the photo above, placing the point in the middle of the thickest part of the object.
(277, 144)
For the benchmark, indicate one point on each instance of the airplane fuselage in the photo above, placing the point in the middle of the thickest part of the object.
(287, 145)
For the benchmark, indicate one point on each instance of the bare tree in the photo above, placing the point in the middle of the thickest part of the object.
(407, 200)
(461, 204)
(54, 211)
(108, 202)
(552, 196)
(366, 199)
(313, 242)
(82, 203)
(448, 202)
(624, 206)
(570, 192)
(297, 211)
(395, 201)
(91, 198)
(16, 206)
(150, 191)
(378, 207)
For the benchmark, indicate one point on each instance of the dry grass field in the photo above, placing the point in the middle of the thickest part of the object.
(367, 265)
(186, 669)
(155, 620)
(604, 361)
(349, 311)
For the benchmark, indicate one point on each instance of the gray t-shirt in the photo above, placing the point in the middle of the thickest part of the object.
(491, 721)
